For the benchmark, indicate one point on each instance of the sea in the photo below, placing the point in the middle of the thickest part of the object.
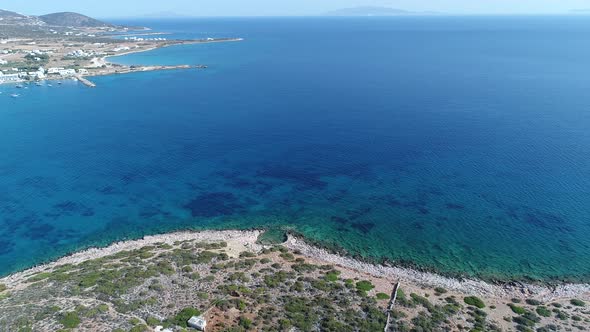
(459, 145)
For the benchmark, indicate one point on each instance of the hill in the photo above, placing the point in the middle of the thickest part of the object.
(374, 11)
(8, 17)
(73, 20)
(5, 14)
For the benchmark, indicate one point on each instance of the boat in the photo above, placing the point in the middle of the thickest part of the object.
(18, 86)
(15, 95)
(38, 84)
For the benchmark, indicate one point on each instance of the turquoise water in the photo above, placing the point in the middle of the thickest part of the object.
(456, 144)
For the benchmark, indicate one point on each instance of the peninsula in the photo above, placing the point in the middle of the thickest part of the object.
(70, 45)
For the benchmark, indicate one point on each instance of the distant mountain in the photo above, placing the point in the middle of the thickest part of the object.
(374, 11)
(68, 19)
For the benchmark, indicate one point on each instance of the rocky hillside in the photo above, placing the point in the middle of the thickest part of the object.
(12, 18)
(70, 19)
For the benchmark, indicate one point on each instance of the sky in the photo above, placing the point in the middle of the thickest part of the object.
(130, 8)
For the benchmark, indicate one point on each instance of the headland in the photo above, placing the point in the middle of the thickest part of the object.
(235, 279)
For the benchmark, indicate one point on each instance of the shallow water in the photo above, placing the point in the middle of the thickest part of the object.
(459, 144)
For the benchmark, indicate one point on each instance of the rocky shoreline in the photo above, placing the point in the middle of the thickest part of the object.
(247, 240)
(427, 279)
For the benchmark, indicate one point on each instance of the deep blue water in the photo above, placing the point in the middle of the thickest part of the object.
(460, 144)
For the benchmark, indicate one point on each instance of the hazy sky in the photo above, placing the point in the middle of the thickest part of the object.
(118, 8)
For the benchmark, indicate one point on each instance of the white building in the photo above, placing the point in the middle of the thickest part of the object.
(198, 323)
(9, 78)
(67, 72)
(37, 75)
(53, 71)
(82, 71)
(3, 62)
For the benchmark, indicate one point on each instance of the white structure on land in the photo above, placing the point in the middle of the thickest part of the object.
(67, 72)
(9, 78)
(52, 71)
(162, 329)
(198, 323)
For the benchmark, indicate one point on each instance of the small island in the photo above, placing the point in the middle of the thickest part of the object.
(241, 281)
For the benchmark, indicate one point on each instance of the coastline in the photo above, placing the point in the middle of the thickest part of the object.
(169, 44)
(101, 66)
(247, 240)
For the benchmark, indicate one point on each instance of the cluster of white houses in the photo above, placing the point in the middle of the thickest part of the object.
(14, 75)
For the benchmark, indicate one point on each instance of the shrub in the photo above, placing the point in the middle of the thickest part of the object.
(440, 290)
(332, 275)
(533, 302)
(474, 301)
(364, 285)
(561, 315)
(70, 320)
(287, 256)
(152, 321)
(183, 316)
(247, 254)
(245, 322)
(543, 311)
(382, 296)
(578, 303)
(517, 309)
(2, 288)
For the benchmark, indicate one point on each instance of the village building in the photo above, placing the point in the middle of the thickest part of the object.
(198, 323)
(67, 72)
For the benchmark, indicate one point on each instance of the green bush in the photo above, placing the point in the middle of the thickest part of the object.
(2, 288)
(382, 296)
(561, 315)
(70, 320)
(474, 301)
(287, 256)
(533, 302)
(543, 311)
(183, 316)
(245, 322)
(152, 321)
(440, 290)
(364, 285)
(332, 275)
(517, 309)
(578, 303)
(247, 254)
